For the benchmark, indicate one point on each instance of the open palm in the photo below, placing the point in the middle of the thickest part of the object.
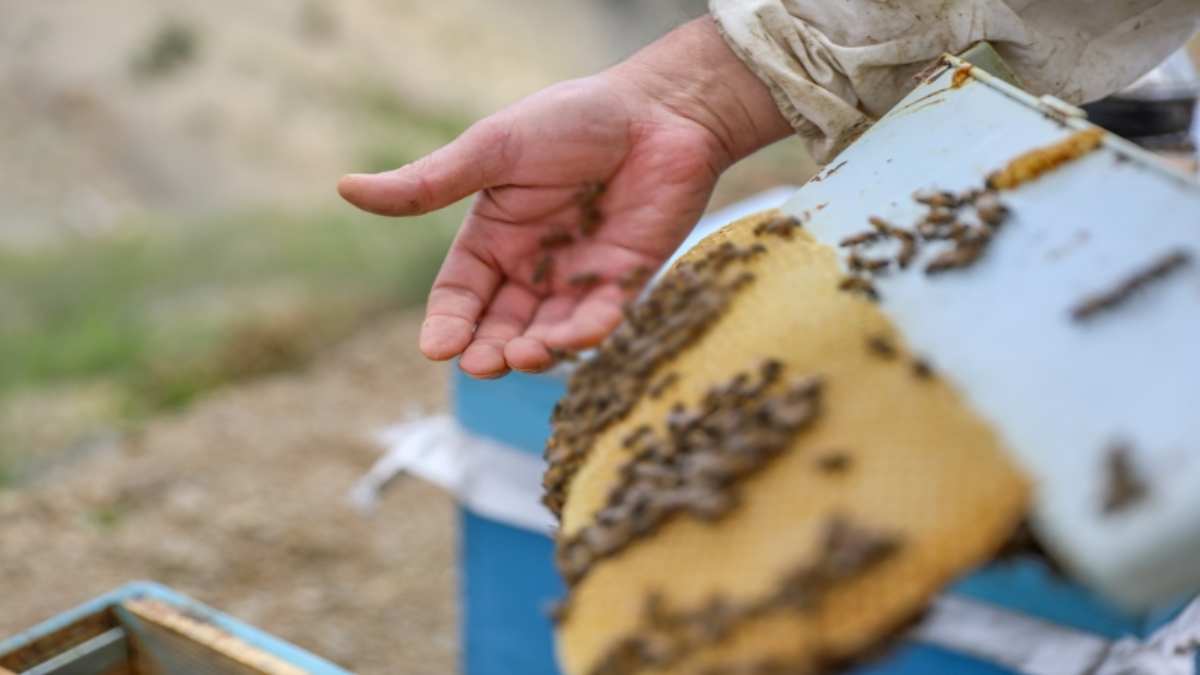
(584, 187)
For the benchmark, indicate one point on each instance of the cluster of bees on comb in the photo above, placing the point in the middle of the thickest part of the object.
(603, 389)
(962, 242)
(695, 468)
(666, 637)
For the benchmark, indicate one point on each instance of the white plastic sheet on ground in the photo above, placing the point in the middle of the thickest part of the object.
(488, 478)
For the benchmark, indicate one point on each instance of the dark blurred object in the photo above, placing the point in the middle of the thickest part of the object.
(172, 46)
(1157, 111)
(1158, 125)
(317, 20)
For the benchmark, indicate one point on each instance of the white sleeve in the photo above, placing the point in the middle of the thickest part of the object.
(834, 67)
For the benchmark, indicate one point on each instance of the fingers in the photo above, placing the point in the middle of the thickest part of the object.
(553, 311)
(505, 319)
(472, 162)
(517, 333)
(529, 353)
(592, 320)
(464, 286)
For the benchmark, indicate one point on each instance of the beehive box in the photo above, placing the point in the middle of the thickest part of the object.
(1032, 334)
(1015, 334)
(146, 629)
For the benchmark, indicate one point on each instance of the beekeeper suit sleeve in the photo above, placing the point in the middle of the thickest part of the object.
(833, 66)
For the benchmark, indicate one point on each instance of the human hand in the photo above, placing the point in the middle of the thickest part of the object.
(585, 187)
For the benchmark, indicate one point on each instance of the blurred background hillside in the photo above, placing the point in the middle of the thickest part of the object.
(167, 214)
(197, 337)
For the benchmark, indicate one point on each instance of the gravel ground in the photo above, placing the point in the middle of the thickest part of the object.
(239, 503)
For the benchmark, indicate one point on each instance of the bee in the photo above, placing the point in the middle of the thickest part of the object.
(790, 415)
(881, 346)
(939, 216)
(858, 263)
(806, 388)
(922, 369)
(657, 473)
(781, 226)
(725, 254)
(861, 285)
(860, 238)
(848, 548)
(632, 317)
(603, 541)
(908, 248)
(936, 198)
(541, 271)
(833, 462)
(635, 278)
(592, 216)
(929, 231)
(657, 389)
(575, 558)
(584, 280)
(836, 168)
(742, 280)
(680, 419)
(990, 210)
(711, 504)
(968, 250)
(883, 227)
(715, 621)
(591, 220)
(769, 370)
(971, 195)
(561, 355)
(1125, 488)
(557, 610)
(556, 239)
(773, 226)
(961, 231)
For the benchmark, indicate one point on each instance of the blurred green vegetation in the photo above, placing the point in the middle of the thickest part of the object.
(165, 312)
(394, 132)
(97, 334)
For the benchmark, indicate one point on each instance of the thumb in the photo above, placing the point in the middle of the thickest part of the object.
(470, 163)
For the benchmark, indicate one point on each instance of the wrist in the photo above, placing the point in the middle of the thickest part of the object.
(694, 74)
